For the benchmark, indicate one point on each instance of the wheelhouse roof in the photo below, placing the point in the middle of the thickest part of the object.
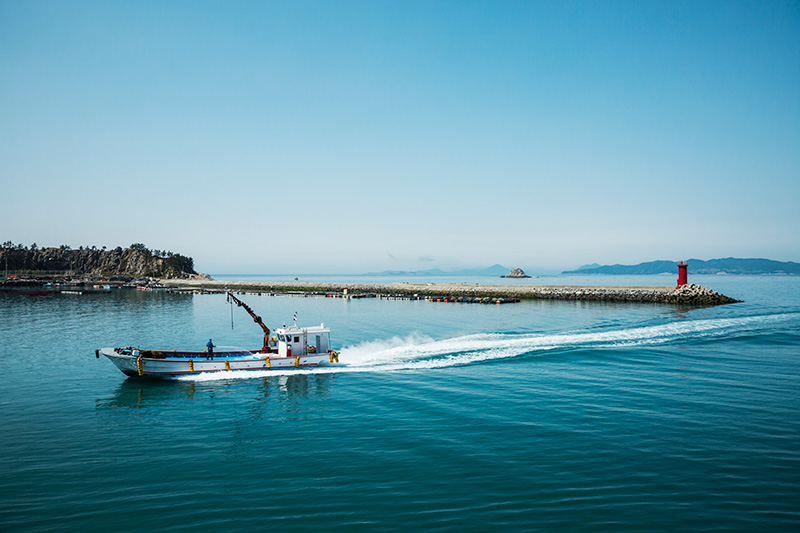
(292, 330)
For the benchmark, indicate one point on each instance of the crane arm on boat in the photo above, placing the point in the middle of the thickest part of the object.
(256, 319)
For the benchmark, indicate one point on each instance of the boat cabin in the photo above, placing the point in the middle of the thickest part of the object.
(293, 341)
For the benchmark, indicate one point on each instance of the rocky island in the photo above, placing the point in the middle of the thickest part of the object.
(516, 273)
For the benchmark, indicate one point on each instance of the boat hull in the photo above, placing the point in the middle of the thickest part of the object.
(137, 365)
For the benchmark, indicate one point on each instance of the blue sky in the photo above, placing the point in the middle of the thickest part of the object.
(346, 137)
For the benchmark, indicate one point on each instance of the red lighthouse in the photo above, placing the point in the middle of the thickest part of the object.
(682, 276)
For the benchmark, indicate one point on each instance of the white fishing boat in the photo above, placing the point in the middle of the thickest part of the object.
(290, 347)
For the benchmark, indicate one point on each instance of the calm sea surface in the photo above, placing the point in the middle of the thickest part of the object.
(541, 415)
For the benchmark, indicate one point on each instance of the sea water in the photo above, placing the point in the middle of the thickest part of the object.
(540, 415)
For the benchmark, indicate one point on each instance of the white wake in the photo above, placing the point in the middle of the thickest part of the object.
(419, 352)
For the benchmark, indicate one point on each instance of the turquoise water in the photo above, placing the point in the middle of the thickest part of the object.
(531, 416)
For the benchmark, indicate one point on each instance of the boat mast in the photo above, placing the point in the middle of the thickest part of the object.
(256, 319)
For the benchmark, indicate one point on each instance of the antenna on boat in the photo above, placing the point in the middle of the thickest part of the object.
(295, 319)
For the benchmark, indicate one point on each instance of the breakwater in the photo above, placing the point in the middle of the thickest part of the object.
(687, 295)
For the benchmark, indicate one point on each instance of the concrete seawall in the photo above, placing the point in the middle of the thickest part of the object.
(687, 295)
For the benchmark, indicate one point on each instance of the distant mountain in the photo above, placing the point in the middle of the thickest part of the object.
(495, 271)
(730, 265)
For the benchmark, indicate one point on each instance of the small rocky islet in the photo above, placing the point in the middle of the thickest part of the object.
(516, 273)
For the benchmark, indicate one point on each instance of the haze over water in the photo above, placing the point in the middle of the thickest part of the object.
(269, 136)
(538, 415)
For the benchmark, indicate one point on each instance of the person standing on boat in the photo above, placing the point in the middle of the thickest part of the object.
(210, 349)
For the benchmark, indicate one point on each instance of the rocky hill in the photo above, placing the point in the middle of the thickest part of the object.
(133, 261)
